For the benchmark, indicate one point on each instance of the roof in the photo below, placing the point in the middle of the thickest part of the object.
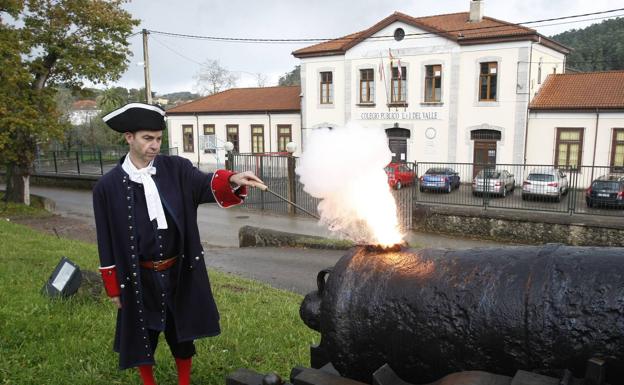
(453, 26)
(245, 100)
(581, 91)
(85, 104)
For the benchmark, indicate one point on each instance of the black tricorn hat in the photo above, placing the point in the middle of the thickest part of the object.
(135, 117)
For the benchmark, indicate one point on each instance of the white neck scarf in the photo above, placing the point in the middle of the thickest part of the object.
(144, 177)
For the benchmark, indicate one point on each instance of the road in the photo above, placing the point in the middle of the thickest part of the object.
(286, 268)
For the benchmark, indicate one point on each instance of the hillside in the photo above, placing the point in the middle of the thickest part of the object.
(599, 47)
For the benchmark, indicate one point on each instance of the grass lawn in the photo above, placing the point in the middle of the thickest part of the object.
(44, 341)
(15, 210)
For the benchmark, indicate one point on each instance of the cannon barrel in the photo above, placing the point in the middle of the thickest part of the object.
(429, 313)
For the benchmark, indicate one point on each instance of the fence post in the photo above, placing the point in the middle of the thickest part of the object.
(55, 165)
(78, 162)
(572, 192)
(228, 160)
(292, 192)
(261, 176)
(101, 164)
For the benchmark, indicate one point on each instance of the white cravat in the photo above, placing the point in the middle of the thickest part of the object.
(152, 198)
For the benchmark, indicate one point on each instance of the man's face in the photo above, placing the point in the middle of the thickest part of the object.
(144, 145)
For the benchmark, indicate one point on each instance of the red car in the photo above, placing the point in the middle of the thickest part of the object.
(399, 175)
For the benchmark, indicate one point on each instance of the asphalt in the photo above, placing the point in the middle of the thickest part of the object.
(286, 268)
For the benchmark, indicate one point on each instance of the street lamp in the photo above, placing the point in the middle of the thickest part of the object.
(291, 147)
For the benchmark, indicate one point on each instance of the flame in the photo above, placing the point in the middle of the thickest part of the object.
(357, 203)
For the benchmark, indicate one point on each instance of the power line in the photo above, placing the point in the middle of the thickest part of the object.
(176, 52)
(308, 40)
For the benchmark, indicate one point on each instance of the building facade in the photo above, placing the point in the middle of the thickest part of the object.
(255, 120)
(578, 120)
(83, 111)
(448, 88)
(454, 88)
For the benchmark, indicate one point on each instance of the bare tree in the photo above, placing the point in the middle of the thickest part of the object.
(261, 79)
(213, 78)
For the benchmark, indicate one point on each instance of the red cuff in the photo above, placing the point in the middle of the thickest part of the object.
(109, 277)
(222, 190)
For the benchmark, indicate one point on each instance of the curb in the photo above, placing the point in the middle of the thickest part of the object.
(250, 236)
(48, 204)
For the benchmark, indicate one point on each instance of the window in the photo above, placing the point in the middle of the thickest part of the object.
(257, 139)
(284, 136)
(569, 148)
(367, 86)
(399, 85)
(433, 84)
(232, 136)
(539, 74)
(210, 143)
(617, 152)
(487, 81)
(327, 88)
(187, 138)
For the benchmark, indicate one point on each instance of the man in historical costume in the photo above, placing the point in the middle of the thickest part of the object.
(151, 258)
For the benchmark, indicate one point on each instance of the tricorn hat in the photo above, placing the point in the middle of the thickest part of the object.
(135, 117)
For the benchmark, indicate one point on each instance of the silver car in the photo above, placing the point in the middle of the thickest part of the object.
(491, 181)
(545, 183)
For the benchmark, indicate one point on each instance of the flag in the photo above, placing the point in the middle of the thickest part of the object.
(399, 68)
(381, 69)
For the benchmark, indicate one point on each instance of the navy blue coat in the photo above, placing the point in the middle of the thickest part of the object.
(182, 188)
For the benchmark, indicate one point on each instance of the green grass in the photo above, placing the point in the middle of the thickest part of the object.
(46, 341)
(16, 210)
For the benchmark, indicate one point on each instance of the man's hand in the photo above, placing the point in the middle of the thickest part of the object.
(116, 301)
(247, 178)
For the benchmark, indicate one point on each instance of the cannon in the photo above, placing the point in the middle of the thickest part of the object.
(433, 312)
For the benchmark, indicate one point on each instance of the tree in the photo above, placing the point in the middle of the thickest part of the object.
(64, 101)
(292, 78)
(54, 42)
(599, 47)
(213, 78)
(261, 79)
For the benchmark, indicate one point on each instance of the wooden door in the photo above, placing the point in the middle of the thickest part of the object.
(484, 155)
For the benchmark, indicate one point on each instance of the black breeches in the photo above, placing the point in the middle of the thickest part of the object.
(181, 350)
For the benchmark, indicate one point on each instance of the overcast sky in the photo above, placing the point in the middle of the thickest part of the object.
(175, 61)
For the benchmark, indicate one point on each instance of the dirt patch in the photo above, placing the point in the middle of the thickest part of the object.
(234, 288)
(63, 227)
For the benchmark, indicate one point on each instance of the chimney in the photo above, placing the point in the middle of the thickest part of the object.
(476, 11)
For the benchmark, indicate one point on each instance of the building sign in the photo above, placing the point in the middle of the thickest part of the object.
(399, 116)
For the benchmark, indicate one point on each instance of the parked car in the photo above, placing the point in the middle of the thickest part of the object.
(607, 190)
(492, 181)
(399, 175)
(439, 179)
(545, 183)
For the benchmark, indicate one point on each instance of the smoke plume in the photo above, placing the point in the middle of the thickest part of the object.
(344, 167)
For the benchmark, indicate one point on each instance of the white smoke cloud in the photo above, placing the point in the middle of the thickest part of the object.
(344, 167)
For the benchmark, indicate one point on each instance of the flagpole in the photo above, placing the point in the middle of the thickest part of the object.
(383, 75)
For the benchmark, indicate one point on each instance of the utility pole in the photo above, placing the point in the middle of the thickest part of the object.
(146, 71)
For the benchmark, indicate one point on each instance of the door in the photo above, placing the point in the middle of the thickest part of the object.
(398, 148)
(484, 155)
(397, 142)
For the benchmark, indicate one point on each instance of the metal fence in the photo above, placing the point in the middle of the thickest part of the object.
(517, 186)
(83, 162)
(278, 172)
(535, 187)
